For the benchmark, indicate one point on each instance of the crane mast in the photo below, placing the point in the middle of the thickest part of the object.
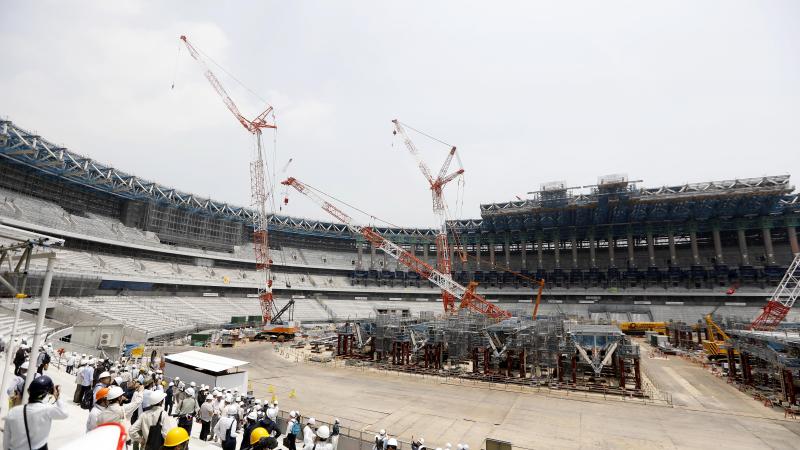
(258, 191)
(469, 299)
(443, 262)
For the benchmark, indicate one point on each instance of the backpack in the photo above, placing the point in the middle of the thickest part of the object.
(155, 440)
(230, 438)
(296, 428)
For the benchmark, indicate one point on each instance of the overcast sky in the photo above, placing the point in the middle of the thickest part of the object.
(530, 92)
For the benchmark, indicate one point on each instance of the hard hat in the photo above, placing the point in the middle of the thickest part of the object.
(114, 392)
(272, 414)
(24, 365)
(336, 420)
(238, 398)
(258, 402)
(177, 378)
(104, 375)
(40, 385)
(119, 381)
(257, 434)
(153, 398)
(312, 421)
(192, 384)
(448, 445)
(391, 442)
(190, 392)
(175, 437)
(466, 447)
(171, 384)
(252, 415)
(421, 441)
(231, 410)
(228, 399)
(101, 393)
(383, 432)
(460, 446)
(323, 432)
(159, 371)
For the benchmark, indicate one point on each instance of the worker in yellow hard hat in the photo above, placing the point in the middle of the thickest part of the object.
(260, 439)
(177, 439)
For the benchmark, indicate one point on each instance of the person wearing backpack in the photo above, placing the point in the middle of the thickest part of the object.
(292, 431)
(151, 428)
(226, 428)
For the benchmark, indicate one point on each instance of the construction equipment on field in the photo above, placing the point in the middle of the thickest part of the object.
(782, 300)
(443, 263)
(258, 192)
(469, 299)
(640, 328)
(716, 345)
(279, 328)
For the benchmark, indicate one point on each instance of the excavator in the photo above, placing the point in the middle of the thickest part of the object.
(715, 346)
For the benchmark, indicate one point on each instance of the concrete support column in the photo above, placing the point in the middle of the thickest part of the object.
(539, 257)
(592, 252)
(425, 251)
(717, 246)
(651, 250)
(792, 233)
(492, 260)
(673, 256)
(631, 252)
(507, 250)
(770, 252)
(451, 248)
(478, 255)
(695, 250)
(557, 251)
(745, 257)
(611, 260)
(523, 254)
(359, 256)
(372, 251)
(574, 244)
(385, 265)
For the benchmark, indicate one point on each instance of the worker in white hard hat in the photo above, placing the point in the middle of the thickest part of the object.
(152, 414)
(308, 432)
(380, 441)
(119, 410)
(250, 424)
(270, 422)
(206, 415)
(187, 410)
(391, 444)
(17, 385)
(320, 441)
(417, 444)
(226, 428)
(292, 430)
(103, 380)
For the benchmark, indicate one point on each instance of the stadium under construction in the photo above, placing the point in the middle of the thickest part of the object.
(544, 292)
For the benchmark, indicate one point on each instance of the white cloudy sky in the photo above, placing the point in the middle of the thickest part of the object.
(530, 92)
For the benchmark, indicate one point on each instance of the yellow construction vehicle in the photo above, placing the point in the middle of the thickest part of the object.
(641, 327)
(715, 346)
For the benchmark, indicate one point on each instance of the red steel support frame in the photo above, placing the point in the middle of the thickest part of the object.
(637, 374)
(791, 395)
(731, 365)
(622, 372)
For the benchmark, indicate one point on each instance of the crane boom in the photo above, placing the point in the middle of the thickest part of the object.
(437, 184)
(469, 299)
(782, 300)
(258, 191)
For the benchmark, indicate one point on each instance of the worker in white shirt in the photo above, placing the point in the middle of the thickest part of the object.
(28, 427)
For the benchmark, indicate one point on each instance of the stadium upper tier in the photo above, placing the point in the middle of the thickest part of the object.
(611, 235)
(614, 201)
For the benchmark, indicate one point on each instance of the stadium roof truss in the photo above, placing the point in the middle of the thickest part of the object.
(33, 151)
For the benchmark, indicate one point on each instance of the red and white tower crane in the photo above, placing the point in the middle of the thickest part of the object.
(782, 300)
(469, 299)
(258, 191)
(443, 263)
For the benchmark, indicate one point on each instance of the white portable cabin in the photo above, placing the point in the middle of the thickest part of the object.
(205, 368)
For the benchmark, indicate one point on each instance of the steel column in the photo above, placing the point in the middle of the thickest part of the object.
(768, 250)
(717, 246)
(792, 233)
(651, 252)
(745, 257)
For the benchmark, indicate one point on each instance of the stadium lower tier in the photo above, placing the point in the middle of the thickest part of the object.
(155, 316)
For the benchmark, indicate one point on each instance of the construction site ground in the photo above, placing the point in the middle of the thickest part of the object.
(706, 412)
